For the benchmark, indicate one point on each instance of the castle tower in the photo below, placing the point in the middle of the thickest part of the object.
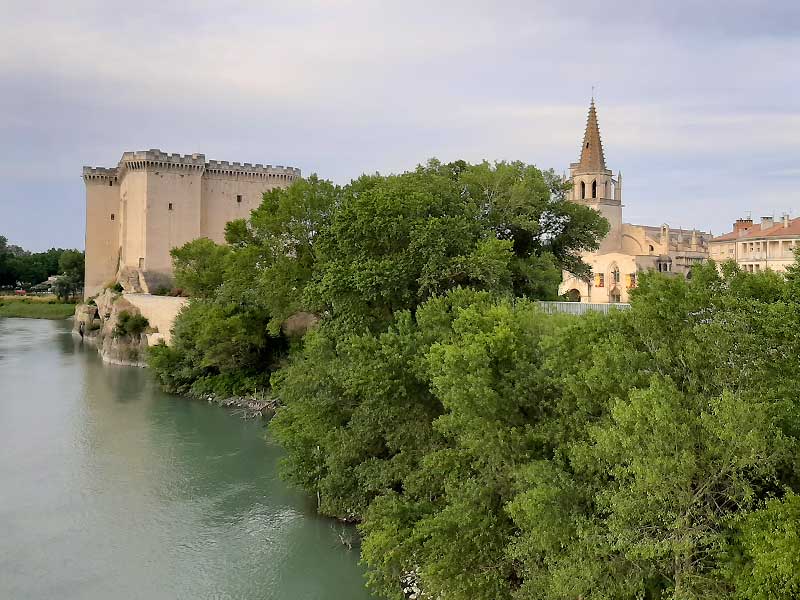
(102, 226)
(593, 185)
(153, 201)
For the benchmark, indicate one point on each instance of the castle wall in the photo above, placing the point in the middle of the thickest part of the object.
(133, 191)
(167, 227)
(102, 229)
(221, 203)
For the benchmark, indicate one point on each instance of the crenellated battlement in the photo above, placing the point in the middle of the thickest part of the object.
(223, 167)
(156, 159)
(100, 174)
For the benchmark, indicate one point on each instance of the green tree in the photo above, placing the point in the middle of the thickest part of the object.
(199, 267)
(766, 551)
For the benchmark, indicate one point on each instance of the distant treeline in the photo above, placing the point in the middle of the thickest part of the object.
(19, 267)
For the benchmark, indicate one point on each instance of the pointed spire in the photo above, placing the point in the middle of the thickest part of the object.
(592, 158)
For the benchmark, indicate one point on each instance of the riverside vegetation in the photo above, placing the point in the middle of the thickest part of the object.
(36, 307)
(488, 450)
(29, 270)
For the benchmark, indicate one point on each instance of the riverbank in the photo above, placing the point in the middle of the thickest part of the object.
(35, 308)
(260, 406)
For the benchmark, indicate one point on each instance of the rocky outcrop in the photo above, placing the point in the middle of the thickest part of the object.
(98, 320)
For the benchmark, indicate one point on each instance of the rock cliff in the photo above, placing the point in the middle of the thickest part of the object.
(99, 321)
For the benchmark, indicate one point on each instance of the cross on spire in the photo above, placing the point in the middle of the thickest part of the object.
(592, 157)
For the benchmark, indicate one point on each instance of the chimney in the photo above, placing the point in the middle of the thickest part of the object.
(786, 220)
(742, 225)
(767, 222)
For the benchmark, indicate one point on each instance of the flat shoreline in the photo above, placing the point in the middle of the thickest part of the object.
(36, 310)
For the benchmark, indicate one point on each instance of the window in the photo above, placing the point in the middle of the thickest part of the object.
(631, 283)
(583, 190)
(239, 198)
(599, 280)
(594, 189)
(112, 216)
(615, 275)
(170, 206)
(110, 183)
(651, 248)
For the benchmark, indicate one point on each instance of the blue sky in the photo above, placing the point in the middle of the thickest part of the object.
(698, 102)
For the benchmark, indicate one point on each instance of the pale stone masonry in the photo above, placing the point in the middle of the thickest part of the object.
(154, 201)
(628, 249)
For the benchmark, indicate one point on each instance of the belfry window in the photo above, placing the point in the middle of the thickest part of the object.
(583, 190)
(594, 189)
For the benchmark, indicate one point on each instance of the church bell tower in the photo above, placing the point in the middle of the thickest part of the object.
(594, 185)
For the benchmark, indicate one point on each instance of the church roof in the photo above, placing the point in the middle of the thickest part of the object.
(592, 157)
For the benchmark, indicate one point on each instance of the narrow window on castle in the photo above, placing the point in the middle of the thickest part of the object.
(583, 190)
(112, 216)
(594, 189)
(239, 198)
(170, 206)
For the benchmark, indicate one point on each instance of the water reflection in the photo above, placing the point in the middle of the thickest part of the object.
(112, 489)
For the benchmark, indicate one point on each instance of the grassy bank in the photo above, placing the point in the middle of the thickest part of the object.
(44, 307)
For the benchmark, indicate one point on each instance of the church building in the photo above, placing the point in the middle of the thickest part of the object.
(628, 249)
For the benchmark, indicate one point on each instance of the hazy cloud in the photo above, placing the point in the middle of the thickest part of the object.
(698, 101)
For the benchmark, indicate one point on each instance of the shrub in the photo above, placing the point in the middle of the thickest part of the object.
(129, 325)
(161, 290)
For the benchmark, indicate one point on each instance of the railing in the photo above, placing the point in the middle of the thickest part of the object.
(580, 308)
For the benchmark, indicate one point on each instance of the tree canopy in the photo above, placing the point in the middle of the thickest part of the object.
(486, 449)
(21, 267)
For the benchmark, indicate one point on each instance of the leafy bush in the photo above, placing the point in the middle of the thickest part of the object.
(129, 325)
(217, 349)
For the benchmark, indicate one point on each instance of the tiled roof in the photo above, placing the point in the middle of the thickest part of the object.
(776, 231)
(733, 235)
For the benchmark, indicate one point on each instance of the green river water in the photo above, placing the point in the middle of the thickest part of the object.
(111, 489)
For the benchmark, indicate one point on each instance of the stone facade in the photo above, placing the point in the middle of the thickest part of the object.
(628, 249)
(154, 201)
(770, 244)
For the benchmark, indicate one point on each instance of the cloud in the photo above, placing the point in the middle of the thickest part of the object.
(689, 95)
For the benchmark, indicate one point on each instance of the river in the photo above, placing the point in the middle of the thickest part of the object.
(110, 488)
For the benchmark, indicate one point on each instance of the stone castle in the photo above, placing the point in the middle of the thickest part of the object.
(627, 249)
(153, 201)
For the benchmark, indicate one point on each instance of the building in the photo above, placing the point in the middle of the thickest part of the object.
(153, 201)
(769, 245)
(628, 249)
